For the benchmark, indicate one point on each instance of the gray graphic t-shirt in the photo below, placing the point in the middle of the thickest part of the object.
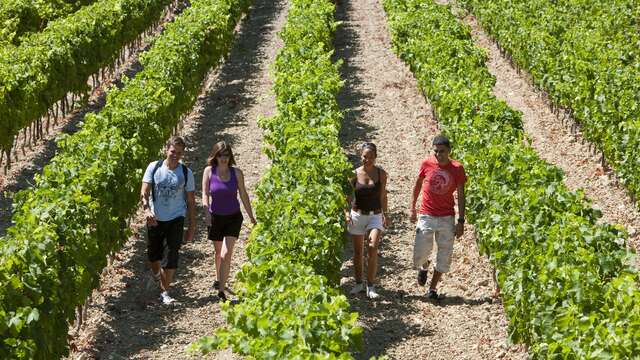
(171, 200)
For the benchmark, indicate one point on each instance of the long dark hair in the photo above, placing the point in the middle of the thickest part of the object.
(220, 146)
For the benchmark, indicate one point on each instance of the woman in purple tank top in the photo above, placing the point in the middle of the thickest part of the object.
(221, 184)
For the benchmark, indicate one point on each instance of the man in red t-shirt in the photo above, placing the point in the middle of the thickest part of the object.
(438, 179)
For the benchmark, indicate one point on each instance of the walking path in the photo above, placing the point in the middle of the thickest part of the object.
(383, 105)
(556, 144)
(25, 165)
(127, 322)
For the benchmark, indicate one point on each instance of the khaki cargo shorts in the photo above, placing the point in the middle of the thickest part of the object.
(440, 229)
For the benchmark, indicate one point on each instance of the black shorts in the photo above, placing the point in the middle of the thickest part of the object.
(225, 225)
(169, 234)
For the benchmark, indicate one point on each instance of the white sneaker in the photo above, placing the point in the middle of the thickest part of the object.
(371, 292)
(166, 299)
(358, 288)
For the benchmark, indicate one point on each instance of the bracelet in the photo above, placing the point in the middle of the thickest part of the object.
(460, 220)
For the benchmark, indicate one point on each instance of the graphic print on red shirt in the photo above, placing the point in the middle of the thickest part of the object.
(438, 186)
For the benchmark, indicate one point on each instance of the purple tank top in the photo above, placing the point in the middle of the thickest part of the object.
(224, 195)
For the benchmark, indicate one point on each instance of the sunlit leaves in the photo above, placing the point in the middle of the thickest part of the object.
(290, 308)
(76, 215)
(585, 55)
(50, 64)
(565, 281)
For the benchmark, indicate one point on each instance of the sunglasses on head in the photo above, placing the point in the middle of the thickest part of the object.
(368, 145)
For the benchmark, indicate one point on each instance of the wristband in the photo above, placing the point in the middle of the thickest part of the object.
(460, 220)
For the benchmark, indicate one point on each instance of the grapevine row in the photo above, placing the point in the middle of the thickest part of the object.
(76, 214)
(20, 17)
(566, 285)
(290, 307)
(585, 56)
(48, 65)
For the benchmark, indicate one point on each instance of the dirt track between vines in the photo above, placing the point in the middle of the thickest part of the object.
(383, 105)
(24, 167)
(126, 321)
(32, 158)
(556, 144)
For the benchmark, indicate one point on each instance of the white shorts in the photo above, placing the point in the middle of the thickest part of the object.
(430, 228)
(361, 223)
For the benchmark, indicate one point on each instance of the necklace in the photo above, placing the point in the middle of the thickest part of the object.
(224, 176)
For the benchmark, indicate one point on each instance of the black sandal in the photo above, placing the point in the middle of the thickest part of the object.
(432, 294)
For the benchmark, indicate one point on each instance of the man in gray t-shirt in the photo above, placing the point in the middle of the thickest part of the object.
(168, 195)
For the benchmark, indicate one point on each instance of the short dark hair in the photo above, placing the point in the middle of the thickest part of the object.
(442, 140)
(176, 141)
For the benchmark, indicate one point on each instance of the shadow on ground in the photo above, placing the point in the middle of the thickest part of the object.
(223, 104)
(383, 320)
(351, 99)
(137, 322)
(398, 315)
(24, 179)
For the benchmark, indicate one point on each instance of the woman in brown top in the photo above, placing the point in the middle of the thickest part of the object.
(367, 213)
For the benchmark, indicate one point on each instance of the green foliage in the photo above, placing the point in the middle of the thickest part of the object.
(50, 64)
(19, 17)
(585, 55)
(289, 308)
(75, 215)
(566, 284)
(287, 312)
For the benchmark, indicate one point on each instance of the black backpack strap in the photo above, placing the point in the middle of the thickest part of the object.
(153, 179)
(185, 172)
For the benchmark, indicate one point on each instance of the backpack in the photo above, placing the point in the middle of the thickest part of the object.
(185, 172)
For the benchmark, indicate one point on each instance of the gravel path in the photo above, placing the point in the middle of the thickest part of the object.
(555, 143)
(383, 105)
(126, 321)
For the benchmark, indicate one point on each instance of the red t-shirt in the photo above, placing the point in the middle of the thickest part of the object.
(440, 181)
